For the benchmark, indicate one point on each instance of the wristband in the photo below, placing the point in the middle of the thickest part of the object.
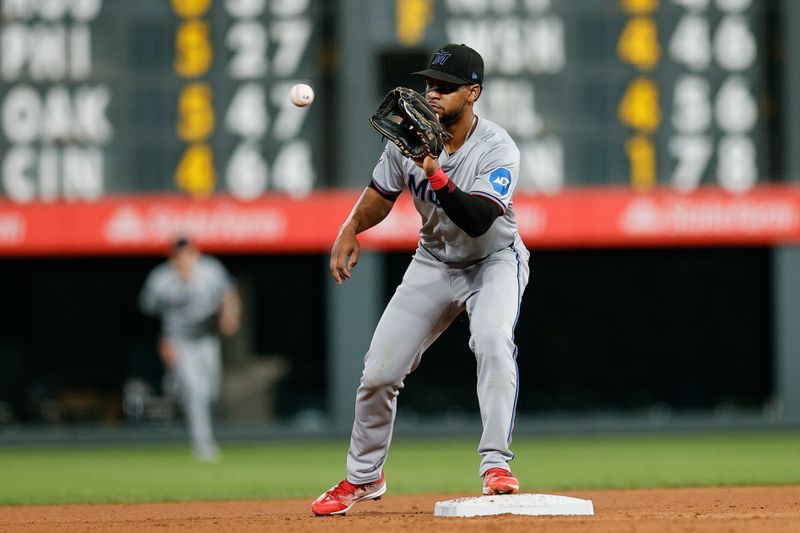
(439, 179)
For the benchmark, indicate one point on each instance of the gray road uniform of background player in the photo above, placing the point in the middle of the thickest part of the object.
(188, 311)
(450, 272)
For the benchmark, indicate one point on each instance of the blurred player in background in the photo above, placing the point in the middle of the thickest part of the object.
(470, 257)
(196, 300)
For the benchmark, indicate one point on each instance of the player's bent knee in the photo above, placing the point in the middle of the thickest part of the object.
(379, 380)
(491, 344)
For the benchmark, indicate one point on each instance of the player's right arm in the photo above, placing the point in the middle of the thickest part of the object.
(369, 210)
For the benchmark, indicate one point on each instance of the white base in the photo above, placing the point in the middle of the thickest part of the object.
(524, 504)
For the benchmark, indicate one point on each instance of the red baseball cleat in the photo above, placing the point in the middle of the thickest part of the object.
(339, 499)
(499, 481)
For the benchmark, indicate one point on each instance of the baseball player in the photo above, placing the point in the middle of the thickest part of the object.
(470, 257)
(195, 297)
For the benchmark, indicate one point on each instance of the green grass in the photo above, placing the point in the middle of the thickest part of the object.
(49, 474)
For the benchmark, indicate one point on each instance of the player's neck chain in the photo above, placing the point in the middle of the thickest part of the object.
(470, 131)
(471, 127)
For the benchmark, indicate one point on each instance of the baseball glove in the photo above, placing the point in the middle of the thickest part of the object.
(407, 119)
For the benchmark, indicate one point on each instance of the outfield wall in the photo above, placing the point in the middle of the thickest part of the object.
(660, 148)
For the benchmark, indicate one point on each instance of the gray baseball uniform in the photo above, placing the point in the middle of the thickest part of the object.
(450, 272)
(188, 311)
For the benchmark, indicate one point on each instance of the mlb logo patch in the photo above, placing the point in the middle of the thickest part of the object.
(500, 178)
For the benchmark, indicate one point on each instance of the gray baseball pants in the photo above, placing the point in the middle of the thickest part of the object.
(198, 370)
(431, 295)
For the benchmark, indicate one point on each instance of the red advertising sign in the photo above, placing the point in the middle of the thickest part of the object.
(598, 217)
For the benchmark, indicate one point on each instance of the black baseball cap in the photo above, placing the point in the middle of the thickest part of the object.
(455, 63)
(181, 242)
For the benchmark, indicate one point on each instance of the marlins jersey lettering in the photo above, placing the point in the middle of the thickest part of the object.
(487, 165)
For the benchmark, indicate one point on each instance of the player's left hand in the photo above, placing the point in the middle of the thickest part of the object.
(230, 312)
(168, 352)
(407, 119)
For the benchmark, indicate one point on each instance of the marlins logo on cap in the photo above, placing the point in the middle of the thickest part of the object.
(440, 57)
(455, 63)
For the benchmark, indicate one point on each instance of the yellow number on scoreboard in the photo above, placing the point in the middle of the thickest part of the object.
(190, 8)
(639, 7)
(638, 43)
(639, 107)
(193, 51)
(195, 172)
(413, 16)
(195, 113)
(642, 157)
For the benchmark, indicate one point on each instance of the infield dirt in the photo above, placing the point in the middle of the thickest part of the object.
(728, 510)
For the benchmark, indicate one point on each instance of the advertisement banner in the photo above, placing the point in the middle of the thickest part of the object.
(578, 218)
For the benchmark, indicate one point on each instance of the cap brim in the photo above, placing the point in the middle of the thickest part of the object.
(441, 76)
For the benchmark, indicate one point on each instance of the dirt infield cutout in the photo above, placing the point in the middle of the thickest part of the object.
(726, 509)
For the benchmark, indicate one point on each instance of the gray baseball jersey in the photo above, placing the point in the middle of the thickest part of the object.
(188, 309)
(487, 164)
(450, 273)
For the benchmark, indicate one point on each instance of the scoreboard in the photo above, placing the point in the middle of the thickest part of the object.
(642, 93)
(104, 97)
(639, 122)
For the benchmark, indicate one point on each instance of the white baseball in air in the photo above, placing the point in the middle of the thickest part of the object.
(301, 94)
